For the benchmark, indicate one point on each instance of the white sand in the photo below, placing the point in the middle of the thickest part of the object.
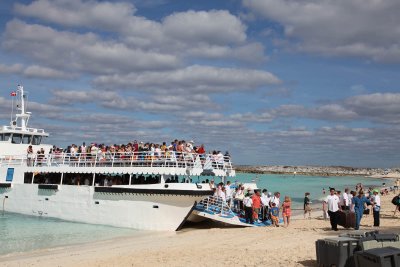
(268, 246)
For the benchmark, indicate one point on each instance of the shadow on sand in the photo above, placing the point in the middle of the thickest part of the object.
(308, 263)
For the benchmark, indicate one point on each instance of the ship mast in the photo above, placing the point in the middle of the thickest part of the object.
(23, 115)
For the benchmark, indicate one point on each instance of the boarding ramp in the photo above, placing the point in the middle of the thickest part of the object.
(217, 209)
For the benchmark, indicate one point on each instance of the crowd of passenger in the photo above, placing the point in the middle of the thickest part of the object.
(135, 150)
(359, 201)
(257, 206)
(254, 205)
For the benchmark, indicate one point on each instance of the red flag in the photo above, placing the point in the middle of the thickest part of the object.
(13, 93)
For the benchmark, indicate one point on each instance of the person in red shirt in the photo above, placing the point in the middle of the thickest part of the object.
(201, 150)
(256, 204)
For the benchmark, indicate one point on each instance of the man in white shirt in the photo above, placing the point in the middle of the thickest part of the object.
(275, 199)
(248, 208)
(228, 192)
(333, 207)
(345, 200)
(376, 201)
(265, 204)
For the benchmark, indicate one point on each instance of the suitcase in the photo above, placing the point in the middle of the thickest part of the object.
(347, 219)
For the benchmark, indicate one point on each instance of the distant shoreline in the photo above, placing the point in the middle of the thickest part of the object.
(319, 171)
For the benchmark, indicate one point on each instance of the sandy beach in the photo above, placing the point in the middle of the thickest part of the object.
(206, 244)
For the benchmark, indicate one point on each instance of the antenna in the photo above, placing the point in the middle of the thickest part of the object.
(23, 115)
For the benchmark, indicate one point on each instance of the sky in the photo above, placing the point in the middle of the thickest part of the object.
(274, 82)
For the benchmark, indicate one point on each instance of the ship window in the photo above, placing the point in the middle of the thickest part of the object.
(111, 179)
(26, 139)
(1, 137)
(78, 179)
(145, 179)
(47, 178)
(36, 140)
(28, 177)
(16, 138)
(6, 136)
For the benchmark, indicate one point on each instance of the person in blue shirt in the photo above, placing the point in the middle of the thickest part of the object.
(359, 204)
(274, 214)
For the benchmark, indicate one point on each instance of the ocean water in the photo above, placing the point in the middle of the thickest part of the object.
(20, 233)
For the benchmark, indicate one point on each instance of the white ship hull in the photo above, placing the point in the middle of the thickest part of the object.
(82, 204)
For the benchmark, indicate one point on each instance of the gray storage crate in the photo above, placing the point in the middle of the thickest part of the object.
(320, 249)
(335, 250)
(395, 244)
(359, 233)
(378, 257)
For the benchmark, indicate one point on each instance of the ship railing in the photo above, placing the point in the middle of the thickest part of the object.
(121, 159)
(18, 128)
(215, 205)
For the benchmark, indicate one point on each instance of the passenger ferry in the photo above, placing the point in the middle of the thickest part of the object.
(146, 192)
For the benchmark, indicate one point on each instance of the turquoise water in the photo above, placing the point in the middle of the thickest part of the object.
(19, 233)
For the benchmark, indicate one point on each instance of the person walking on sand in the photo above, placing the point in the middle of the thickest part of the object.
(307, 205)
(345, 199)
(286, 211)
(396, 185)
(376, 202)
(360, 202)
(396, 202)
(333, 207)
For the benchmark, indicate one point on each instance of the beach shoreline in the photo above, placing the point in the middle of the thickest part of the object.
(324, 171)
(205, 245)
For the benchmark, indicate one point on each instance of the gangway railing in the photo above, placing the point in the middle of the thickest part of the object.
(121, 159)
(215, 205)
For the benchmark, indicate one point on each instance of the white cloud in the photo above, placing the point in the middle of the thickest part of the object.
(342, 27)
(199, 79)
(60, 50)
(45, 73)
(216, 26)
(212, 34)
(379, 107)
(106, 15)
(11, 69)
(34, 71)
(157, 103)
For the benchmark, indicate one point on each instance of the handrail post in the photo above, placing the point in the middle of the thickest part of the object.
(132, 157)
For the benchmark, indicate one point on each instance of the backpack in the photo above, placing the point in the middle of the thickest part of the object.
(395, 200)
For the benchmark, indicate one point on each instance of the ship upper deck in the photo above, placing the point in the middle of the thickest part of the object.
(169, 162)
